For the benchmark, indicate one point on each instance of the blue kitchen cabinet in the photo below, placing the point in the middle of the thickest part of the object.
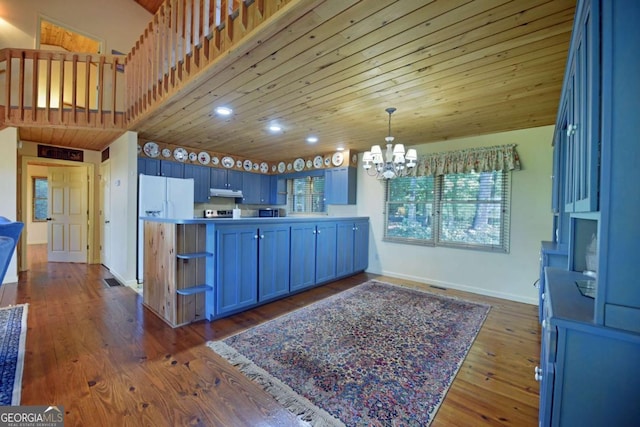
(236, 269)
(360, 245)
(253, 265)
(313, 254)
(273, 261)
(581, 95)
(303, 256)
(171, 169)
(352, 252)
(591, 343)
(257, 189)
(278, 190)
(226, 179)
(148, 166)
(326, 246)
(200, 175)
(340, 186)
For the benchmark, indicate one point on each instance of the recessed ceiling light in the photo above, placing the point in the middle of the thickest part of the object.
(224, 111)
(275, 128)
(340, 148)
(312, 139)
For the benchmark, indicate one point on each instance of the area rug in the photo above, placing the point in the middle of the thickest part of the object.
(13, 333)
(374, 355)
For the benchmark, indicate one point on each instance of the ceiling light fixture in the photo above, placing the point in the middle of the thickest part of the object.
(223, 111)
(312, 139)
(395, 163)
(275, 128)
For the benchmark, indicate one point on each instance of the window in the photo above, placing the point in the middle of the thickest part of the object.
(40, 198)
(469, 210)
(306, 195)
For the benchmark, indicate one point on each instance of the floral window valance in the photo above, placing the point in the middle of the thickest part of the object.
(485, 159)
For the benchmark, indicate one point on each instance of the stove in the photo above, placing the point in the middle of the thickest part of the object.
(212, 213)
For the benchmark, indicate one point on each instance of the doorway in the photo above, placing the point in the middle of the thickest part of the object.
(37, 233)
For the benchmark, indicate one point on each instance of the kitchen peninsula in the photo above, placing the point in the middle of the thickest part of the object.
(197, 269)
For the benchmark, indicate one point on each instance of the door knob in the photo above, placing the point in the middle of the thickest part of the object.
(49, 219)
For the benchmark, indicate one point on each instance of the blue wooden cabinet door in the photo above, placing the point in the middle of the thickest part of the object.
(148, 166)
(171, 169)
(340, 186)
(360, 246)
(200, 175)
(303, 256)
(344, 248)
(326, 246)
(237, 269)
(234, 180)
(218, 178)
(273, 262)
(265, 190)
(251, 188)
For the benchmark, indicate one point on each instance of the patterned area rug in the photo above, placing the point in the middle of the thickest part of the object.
(375, 355)
(13, 333)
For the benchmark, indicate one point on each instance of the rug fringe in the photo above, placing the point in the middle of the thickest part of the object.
(305, 410)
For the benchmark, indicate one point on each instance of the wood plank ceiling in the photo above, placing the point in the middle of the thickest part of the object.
(452, 69)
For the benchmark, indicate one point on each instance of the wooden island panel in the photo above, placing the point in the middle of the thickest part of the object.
(169, 268)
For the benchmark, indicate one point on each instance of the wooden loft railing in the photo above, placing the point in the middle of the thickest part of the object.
(184, 37)
(45, 88)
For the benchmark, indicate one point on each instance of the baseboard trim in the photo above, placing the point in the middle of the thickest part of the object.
(461, 287)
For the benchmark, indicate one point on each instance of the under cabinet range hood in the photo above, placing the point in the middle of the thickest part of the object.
(224, 192)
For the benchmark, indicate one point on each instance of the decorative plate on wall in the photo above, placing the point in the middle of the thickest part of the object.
(274, 168)
(151, 149)
(180, 154)
(166, 152)
(204, 157)
(139, 149)
(215, 160)
(193, 156)
(238, 164)
(327, 161)
(337, 158)
(247, 165)
(298, 164)
(309, 164)
(282, 167)
(227, 162)
(317, 162)
(264, 167)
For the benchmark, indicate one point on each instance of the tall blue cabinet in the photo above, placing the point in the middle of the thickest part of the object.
(589, 372)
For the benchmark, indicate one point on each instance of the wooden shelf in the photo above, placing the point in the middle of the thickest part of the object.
(195, 290)
(195, 255)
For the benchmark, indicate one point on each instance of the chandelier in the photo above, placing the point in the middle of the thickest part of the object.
(395, 162)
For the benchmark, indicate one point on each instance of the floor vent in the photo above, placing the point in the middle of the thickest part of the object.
(112, 282)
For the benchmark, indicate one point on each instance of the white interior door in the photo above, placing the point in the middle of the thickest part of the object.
(105, 214)
(68, 216)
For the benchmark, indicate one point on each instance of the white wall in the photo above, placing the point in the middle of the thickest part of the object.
(36, 231)
(118, 22)
(510, 276)
(8, 186)
(124, 190)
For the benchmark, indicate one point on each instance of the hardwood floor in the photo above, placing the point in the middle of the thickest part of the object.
(109, 361)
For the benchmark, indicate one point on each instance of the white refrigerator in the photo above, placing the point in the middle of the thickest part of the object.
(161, 197)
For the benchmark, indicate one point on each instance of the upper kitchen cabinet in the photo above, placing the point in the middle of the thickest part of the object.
(340, 186)
(171, 169)
(148, 166)
(257, 189)
(200, 175)
(226, 179)
(581, 100)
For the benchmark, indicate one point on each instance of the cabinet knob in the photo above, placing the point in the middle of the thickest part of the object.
(538, 374)
(262, 236)
(544, 323)
(255, 237)
(542, 298)
(571, 129)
